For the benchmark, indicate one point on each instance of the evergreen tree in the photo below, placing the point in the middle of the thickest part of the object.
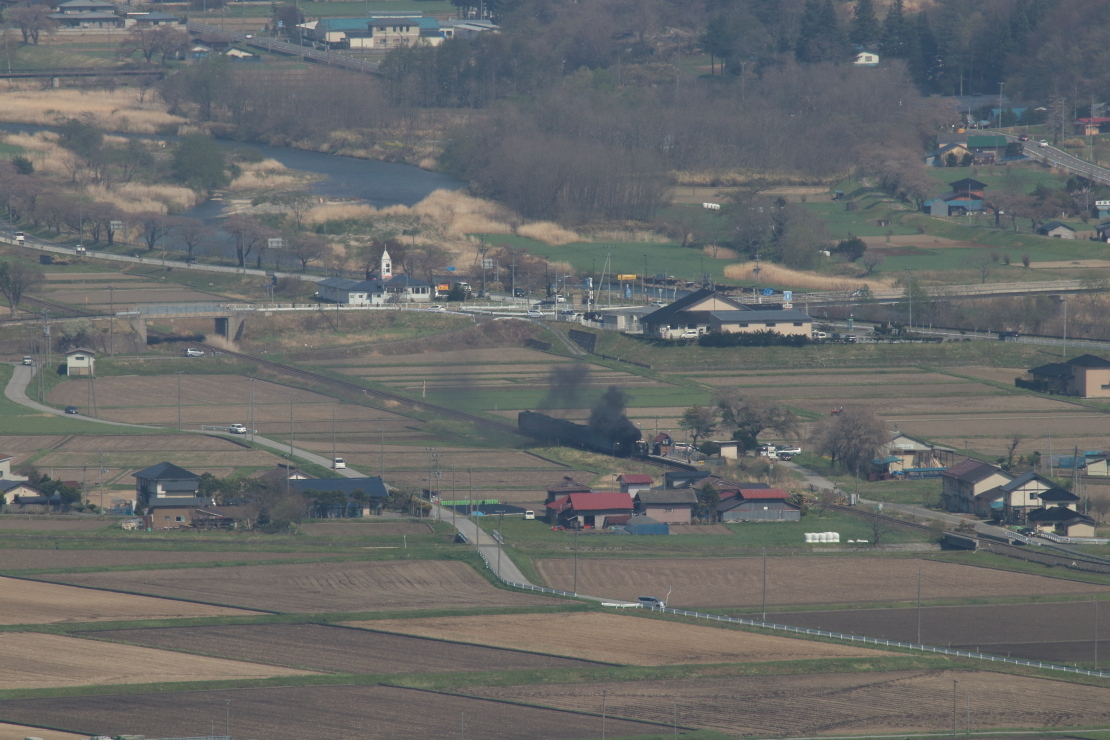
(717, 41)
(819, 38)
(922, 54)
(892, 40)
(865, 26)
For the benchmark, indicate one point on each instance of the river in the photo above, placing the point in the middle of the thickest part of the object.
(377, 183)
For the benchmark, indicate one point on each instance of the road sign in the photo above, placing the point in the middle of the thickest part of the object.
(274, 243)
(487, 264)
(115, 225)
(449, 269)
(626, 278)
(786, 295)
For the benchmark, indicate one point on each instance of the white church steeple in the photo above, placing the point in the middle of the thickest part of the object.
(386, 271)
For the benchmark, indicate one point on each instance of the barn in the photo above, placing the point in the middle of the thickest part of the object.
(759, 505)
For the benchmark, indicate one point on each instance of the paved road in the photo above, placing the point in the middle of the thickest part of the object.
(1059, 158)
(16, 391)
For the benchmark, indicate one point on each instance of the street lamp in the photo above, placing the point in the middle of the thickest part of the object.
(909, 290)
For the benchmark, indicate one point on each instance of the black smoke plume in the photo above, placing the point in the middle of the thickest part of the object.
(565, 385)
(608, 417)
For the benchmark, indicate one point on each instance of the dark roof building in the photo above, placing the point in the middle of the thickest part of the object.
(164, 480)
(1086, 376)
(373, 487)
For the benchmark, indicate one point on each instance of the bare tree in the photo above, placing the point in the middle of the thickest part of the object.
(1012, 449)
(871, 261)
(306, 248)
(1100, 504)
(297, 205)
(154, 227)
(32, 21)
(879, 529)
(192, 232)
(853, 437)
(984, 265)
(248, 233)
(699, 421)
(16, 278)
(747, 416)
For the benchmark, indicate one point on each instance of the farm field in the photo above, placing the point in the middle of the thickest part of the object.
(33, 660)
(14, 523)
(371, 712)
(616, 638)
(21, 732)
(362, 528)
(16, 559)
(33, 602)
(325, 648)
(1053, 631)
(737, 582)
(331, 587)
(834, 704)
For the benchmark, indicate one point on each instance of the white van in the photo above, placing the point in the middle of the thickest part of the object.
(529, 515)
(339, 464)
(650, 602)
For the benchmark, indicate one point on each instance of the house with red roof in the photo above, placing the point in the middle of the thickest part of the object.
(594, 510)
(759, 505)
(563, 487)
(635, 482)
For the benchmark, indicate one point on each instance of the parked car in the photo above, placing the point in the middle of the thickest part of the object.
(194, 352)
(79, 250)
(650, 602)
(529, 514)
(789, 450)
(534, 314)
(190, 260)
(521, 292)
(1004, 335)
(438, 308)
(338, 464)
(27, 360)
(20, 237)
(819, 335)
(689, 334)
(237, 429)
(72, 410)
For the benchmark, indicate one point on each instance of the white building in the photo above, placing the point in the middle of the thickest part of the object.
(80, 361)
(351, 292)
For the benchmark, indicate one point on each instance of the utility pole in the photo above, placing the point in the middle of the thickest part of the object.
(764, 584)
(252, 411)
(918, 606)
(576, 561)
(178, 374)
(112, 319)
(955, 681)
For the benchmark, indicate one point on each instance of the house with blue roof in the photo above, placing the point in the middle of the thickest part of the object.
(965, 197)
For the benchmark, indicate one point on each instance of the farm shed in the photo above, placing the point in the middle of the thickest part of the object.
(167, 481)
(170, 515)
(81, 361)
(1056, 230)
(670, 506)
(759, 505)
(589, 510)
(635, 482)
(684, 478)
(961, 483)
(661, 444)
(641, 524)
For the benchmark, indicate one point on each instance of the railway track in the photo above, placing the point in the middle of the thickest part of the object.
(1042, 555)
(337, 383)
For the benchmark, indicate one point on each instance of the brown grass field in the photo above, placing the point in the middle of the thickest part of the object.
(33, 660)
(32, 602)
(323, 648)
(723, 582)
(835, 704)
(51, 524)
(13, 559)
(336, 587)
(615, 638)
(296, 713)
(21, 732)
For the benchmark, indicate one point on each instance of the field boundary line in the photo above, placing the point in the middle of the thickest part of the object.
(879, 642)
(516, 703)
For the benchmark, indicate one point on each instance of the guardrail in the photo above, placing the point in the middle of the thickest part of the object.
(1073, 540)
(820, 633)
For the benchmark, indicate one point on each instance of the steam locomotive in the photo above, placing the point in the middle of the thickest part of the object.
(623, 441)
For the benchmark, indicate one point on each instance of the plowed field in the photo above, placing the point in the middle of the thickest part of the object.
(31, 602)
(724, 582)
(840, 704)
(364, 712)
(321, 587)
(33, 660)
(52, 524)
(317, 647)
(358, 528)
(19, 559)
(615, 638)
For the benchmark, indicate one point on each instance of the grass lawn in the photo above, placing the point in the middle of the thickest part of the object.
(535, 539)
(898, 492)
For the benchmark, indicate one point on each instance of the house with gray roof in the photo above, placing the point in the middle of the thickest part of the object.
(673, 506)
(351, 292)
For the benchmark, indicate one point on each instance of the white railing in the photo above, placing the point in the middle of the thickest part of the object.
(1073, 540)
